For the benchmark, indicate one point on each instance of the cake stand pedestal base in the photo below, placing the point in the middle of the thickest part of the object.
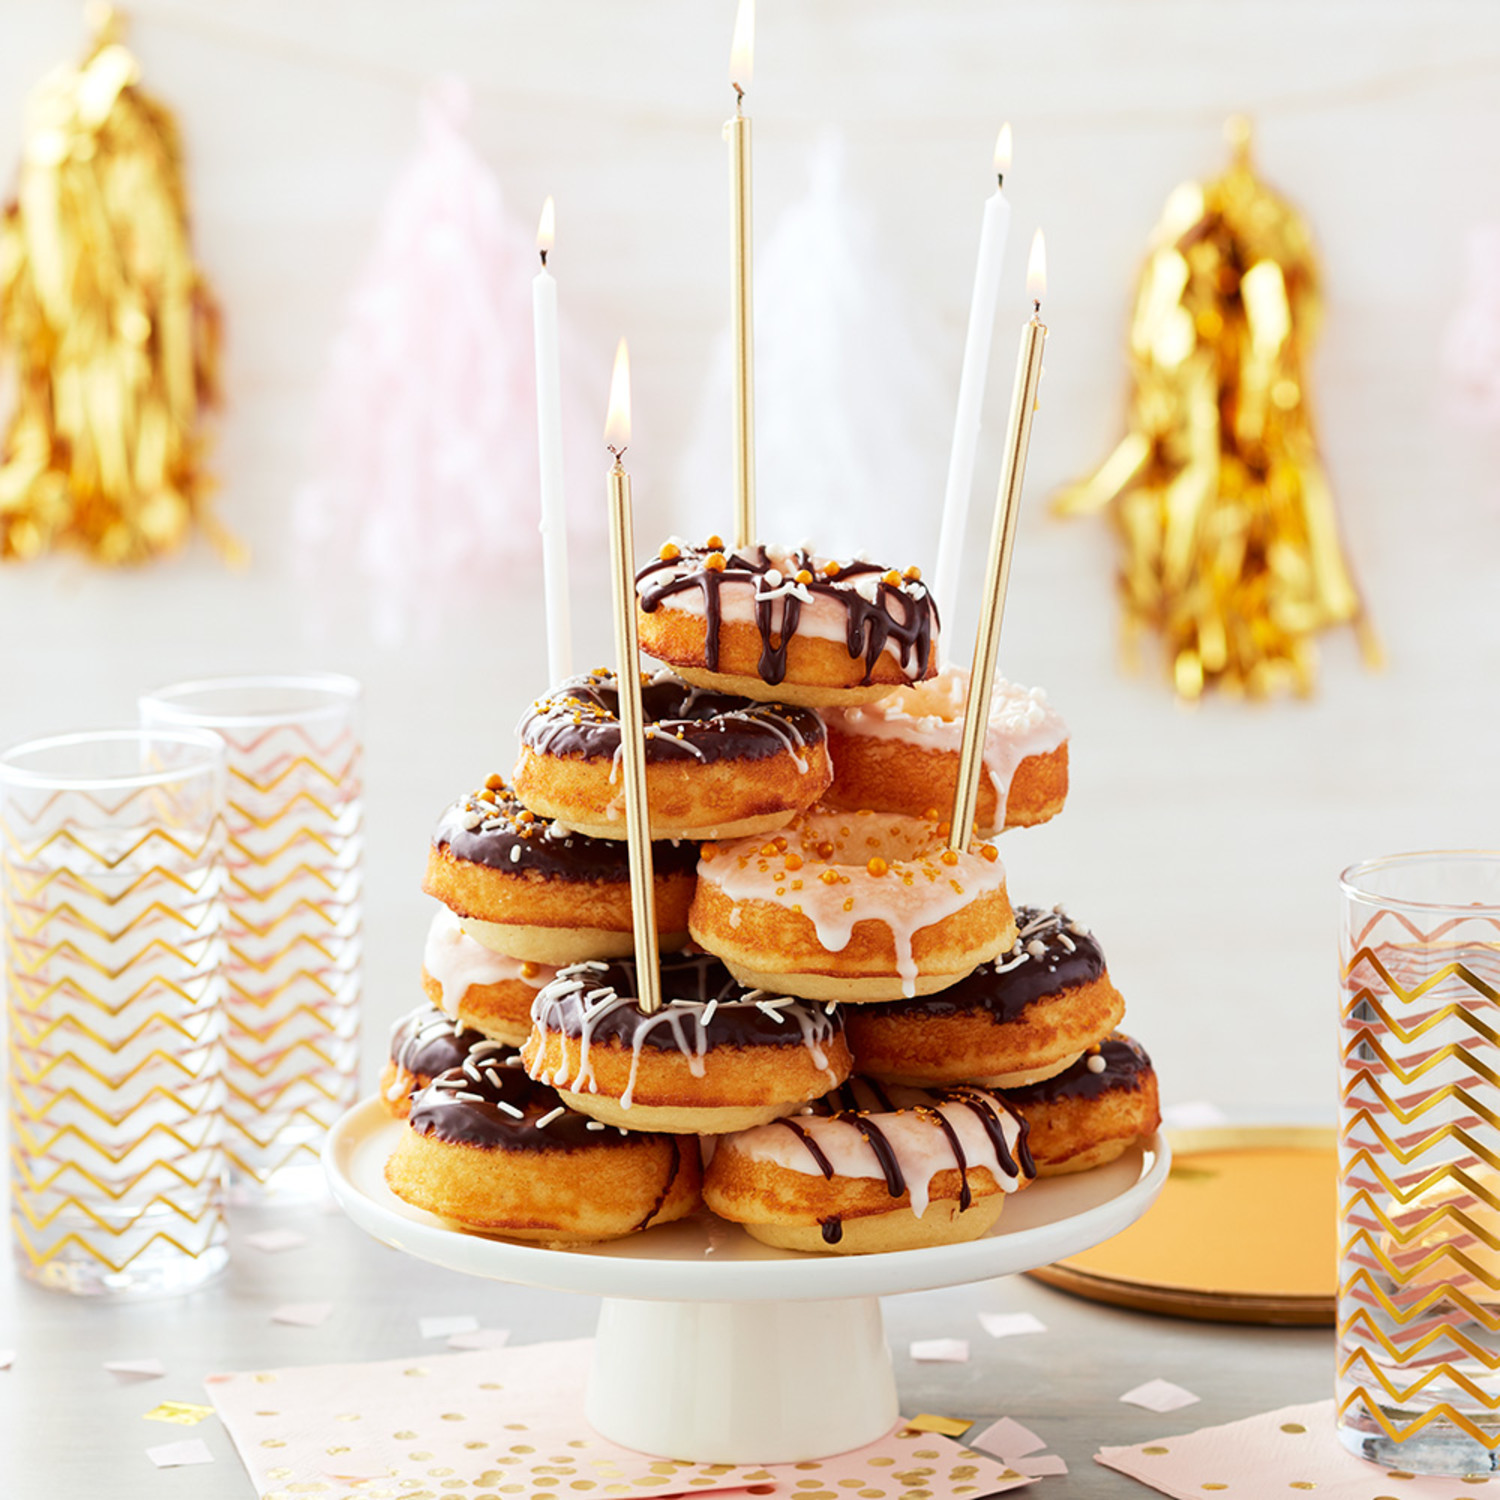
(742, 1382)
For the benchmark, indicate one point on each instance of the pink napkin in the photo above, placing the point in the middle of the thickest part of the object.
(1286, 1452)
(510, 1422)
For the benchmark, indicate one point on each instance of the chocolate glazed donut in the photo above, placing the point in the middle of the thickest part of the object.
(717, 765)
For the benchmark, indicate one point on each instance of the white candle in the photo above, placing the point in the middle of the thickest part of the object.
(554, 522)
(967, 420)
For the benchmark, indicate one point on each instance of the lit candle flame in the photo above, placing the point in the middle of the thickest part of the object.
(1002, 151)
(1036, 269)
(617, 423)
(546, 228)
(742, 49)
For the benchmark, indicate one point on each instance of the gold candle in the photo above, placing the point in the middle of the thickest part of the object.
(737, 133)
(1002, 542)
(628, 679)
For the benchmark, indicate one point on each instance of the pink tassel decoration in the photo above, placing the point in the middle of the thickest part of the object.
(426, 451)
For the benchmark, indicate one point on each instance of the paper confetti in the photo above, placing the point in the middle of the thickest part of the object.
(1039, 1465)
(1196, 1114)
(481, 1338)
(940, 1351)
(183, 1413)
(1009, 1440)
(273, 1241)
(441, 1328)
(1159, 1396)
(303, 1314)
(930, 1422)
(1004, 1325)
(136, 1369)
(175, 1455)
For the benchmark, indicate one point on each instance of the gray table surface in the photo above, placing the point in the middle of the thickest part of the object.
(70, 1429)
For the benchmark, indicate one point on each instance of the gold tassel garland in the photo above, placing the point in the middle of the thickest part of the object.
(109, 325)
(1231, 544)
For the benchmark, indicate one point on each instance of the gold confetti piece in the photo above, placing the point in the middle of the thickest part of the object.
(948, 1426)
(110, 326)
(184, 1413)
(1231, 544)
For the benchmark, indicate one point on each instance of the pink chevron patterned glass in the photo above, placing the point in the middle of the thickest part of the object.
(111, 861)
(292, 972)
(1419, 1163)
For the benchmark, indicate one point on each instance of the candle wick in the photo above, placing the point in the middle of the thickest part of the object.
(1036, 307)
(543, 254)
(739, 97)
(1000, 178)
(618, 453)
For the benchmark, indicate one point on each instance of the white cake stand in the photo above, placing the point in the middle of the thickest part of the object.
(716, 1348)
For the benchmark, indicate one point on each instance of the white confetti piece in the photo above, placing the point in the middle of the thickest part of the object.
(442, 1328)
(1004, 1325)
(940, 1351)
(481, 1338)
(1159, 1396)
(272, 1241)
(1007, 1440)
(136, 1369)
(303, 1314)
(175, 1455)
(1195, 1114)
(1039, 1465)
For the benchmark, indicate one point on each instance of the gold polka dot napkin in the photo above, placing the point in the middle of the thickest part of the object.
(507, 1424)
(1290, 1452)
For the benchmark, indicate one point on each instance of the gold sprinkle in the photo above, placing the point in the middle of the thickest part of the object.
(670, 552)
(1154, 1449)
(715, 542)
(713, 563)
(282, 1473)
(1286, 1426)
(272, 1443)
(453, 1416)
(403, 1437)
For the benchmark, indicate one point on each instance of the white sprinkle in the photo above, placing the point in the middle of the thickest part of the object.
(550, 1116)
(512, 1062)
(594, 1125)
(709, 1009)
(1067, 942)
(771, 1010)
(1078, 928)
(1037, 948)
(1060, 909)
(509, 1109)
(806, 1109)
(1015, 963)
(469, 1098)
(471, 821)
(1096, 1064)
(515, 854)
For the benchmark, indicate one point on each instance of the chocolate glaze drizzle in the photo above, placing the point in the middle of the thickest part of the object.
(1052, 954)
(489, 1102)
(1125, 1067)
(492, 827)
(426, 1042)
(579, 720)
(873, 616)
(862, 1101)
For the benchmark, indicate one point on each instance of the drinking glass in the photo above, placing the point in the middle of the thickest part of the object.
(1419, 1162)
(111, 863)
(292, 971)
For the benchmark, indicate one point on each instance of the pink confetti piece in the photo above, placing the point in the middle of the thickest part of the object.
(303, 1314)
(441, 1328)
(273, 1241)
(136, 1369)
(1006, 1325)
(481, 1338)
(1008, 1440)
(940, 1351)
(1160, 1396)
(175, 1455)
(1039, 1465)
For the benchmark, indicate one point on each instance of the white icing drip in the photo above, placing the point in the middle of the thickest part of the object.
(931, 714)
(917, 890)
(458, 961)
(688, 1020)
(920, 1145)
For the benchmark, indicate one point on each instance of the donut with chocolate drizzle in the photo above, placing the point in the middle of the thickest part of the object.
(1019, 1018)
(716, 765)
(534, 889)
(1091, 1113)
(493, 1151)
(870, 1168)
(715, 1057)
(784, 624)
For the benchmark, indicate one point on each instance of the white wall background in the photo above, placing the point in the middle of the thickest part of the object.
(1202, 845)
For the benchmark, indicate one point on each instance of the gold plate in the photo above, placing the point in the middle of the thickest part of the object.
(1244, 1232)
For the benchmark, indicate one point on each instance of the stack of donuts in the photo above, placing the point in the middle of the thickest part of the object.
(863, 1044)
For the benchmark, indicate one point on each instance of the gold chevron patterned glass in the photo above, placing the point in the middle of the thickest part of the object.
(292, 972)
(112, 847)
(1419, 1163)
